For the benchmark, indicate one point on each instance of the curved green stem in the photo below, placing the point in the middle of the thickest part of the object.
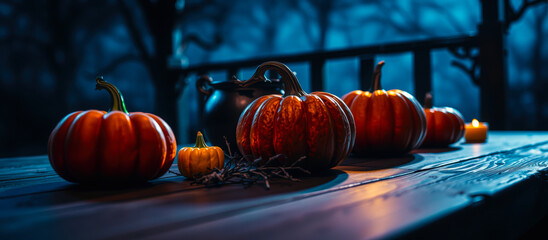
(116, 99)
(428, 100)
(376, 84)
(200, 142)
(289, 80)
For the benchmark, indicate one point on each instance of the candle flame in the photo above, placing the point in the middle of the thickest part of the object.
(475, 123)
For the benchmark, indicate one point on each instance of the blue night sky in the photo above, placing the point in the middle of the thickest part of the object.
(287, 27)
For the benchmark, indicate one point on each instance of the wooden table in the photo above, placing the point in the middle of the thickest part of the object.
(497, 189)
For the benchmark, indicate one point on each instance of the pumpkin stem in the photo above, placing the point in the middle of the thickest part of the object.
(376, 84)
(428, 100)
(116, 99)
(289, 80)
(200, 142)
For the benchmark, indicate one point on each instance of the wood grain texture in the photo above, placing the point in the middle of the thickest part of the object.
(497, 188)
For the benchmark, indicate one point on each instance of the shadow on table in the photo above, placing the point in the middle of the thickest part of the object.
(234, 192)
(181, 190)
(378, 163)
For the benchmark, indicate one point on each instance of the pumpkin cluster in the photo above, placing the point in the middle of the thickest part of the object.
(111, 147)
(118, 147)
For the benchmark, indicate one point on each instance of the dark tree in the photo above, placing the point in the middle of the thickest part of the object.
(41, 48)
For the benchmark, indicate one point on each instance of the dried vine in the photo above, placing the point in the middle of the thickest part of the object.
(238, 170)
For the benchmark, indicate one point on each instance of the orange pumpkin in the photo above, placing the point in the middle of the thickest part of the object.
(387, 122)
(200, 159)
(115, 147)
(316, 125)
(445, 125)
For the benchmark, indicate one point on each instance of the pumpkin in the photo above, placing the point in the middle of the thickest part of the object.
(111, 147)
(317, 126)
(200, 159)
(445, 125)
(387, 122)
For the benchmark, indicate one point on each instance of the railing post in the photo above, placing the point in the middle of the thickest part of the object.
(492, 65)
(317, 74)
(367, 63)
(422, 73)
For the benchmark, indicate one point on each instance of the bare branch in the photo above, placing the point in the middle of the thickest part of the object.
(239, 170)
(513, 15)
(212, 45)
(136, 36)
(471, 72)
(114, 64)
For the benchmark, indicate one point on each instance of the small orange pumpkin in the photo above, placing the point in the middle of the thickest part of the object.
(200, 159)
(445, 125)
(387, 122)
(318, 125)
(115, 147)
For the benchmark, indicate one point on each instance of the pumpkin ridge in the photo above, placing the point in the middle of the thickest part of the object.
(419, 125)
(56, 145)
(391, 119)
(220, 157)
(368, 113)
(359, 111)
(307, 161)
(340, 132)
(66, 142)
(186, 165)
(170, 142)
(195, 153)
(446, 118)
(262, 132)
(432, 128)
(401, 138)
(73, 132)
(349, 98)
(150, 133)
(454, 124)
(289, 128)
(134, 173)
(319, 138)
(331, 137)
(243, 130)
(350, 133)
(118, 141)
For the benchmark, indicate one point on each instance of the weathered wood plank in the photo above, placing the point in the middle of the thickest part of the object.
(492, 201)
(171, 206)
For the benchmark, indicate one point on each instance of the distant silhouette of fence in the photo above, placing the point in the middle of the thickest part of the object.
(488, 60)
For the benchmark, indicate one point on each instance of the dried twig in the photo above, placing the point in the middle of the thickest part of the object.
(238, 170)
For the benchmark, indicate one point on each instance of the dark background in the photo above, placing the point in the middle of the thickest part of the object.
(52, 50)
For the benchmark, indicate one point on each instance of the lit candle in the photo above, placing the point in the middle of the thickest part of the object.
(475, 132)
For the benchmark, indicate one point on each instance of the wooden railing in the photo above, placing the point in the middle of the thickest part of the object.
(488, 61)
(316, 61)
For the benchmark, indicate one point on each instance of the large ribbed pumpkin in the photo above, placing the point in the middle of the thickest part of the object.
(445, 125)
(387, 122)
(96, 147)
(318, 125)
